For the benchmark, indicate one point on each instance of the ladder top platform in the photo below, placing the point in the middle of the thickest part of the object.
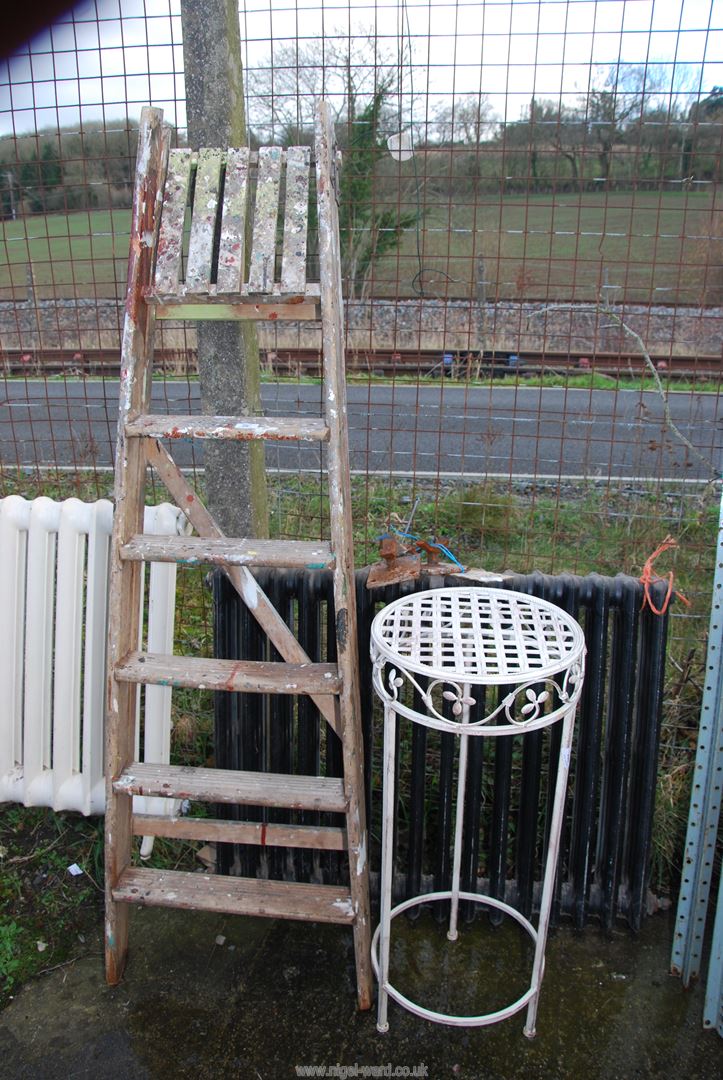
(234, 236)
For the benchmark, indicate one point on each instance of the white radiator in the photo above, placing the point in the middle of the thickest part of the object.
(53, 606)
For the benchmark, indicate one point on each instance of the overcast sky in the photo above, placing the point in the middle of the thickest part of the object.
(110, 57)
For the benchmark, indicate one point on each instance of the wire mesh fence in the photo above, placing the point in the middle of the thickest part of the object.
(530, 214)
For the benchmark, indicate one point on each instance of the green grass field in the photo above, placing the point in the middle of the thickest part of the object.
(83, 253)
(646, 247)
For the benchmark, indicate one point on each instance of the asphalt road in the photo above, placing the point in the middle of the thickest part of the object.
(430, 430)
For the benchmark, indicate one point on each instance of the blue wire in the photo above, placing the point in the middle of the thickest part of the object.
(448, 553)
(441, 547)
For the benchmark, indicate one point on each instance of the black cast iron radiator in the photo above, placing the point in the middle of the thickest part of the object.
(606, 843)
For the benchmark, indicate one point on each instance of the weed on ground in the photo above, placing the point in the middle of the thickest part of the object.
(51, 892)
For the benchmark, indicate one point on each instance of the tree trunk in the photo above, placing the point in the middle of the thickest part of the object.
(228, 352)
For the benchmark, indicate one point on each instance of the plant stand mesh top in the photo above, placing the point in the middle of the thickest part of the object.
(481, 636)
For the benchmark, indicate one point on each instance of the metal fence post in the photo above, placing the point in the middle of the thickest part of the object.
(704, 807)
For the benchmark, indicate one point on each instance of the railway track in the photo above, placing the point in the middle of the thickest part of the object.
(380, 362)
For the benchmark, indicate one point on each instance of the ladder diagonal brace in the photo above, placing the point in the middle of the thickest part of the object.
(240, 577)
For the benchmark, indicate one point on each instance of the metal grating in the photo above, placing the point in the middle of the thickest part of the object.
(478, 634)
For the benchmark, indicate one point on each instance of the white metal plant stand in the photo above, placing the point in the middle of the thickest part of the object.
(442, 643)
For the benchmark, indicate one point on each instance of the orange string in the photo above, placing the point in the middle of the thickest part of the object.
(649, 577)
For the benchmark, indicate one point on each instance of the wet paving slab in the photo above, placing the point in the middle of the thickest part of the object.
(209, 997)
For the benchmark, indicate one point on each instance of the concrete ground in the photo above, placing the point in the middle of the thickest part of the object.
(218, 997)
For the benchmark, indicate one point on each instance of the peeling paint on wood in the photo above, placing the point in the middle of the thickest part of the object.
(264, 834)
(233, 552)
(362, 855)
(231, 247)
(341, 532)
(289, 792)
(262, 269)
(233, 222)
(235, 896)
(125, 581)
(161, 426)
(170, 240)
(203, 221)
(333, 688)
(296, 220)
(273, 298)
(250, 676)
(224, 312)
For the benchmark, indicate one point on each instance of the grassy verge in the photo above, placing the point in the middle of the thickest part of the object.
(561, 378)
(592, 380)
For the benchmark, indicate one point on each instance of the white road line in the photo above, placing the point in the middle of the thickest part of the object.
(404, 474)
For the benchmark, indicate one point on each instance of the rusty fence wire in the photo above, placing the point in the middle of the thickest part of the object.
(532, 240)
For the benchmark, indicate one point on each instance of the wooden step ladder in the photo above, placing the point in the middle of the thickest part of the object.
(215, 285)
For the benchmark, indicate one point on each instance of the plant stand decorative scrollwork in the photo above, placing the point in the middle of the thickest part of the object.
(441, 644)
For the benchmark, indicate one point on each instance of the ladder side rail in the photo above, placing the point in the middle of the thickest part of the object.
(125, 579)
(166, 520)
(342, 542)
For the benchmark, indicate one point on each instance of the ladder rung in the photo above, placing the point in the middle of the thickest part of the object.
(310, 429)
(234, 896)
(322, 837)
(198, 549)
(246, 676)
(233, 311)
(276, 296)
(278, 790)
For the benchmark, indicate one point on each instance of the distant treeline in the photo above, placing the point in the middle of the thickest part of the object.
(68, 169)
(612, 143)
(619, 136)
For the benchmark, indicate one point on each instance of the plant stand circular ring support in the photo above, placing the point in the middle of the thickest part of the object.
(456, 639)
(483, 1019)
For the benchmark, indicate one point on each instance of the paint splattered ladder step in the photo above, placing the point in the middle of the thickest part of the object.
(227, 551)
(232, 428)
(322, 793)
(240, 676)
(234, 896)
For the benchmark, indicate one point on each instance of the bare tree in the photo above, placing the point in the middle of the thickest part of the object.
(547, 132)
(469, 120)
(610, 107)
(284, 90)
